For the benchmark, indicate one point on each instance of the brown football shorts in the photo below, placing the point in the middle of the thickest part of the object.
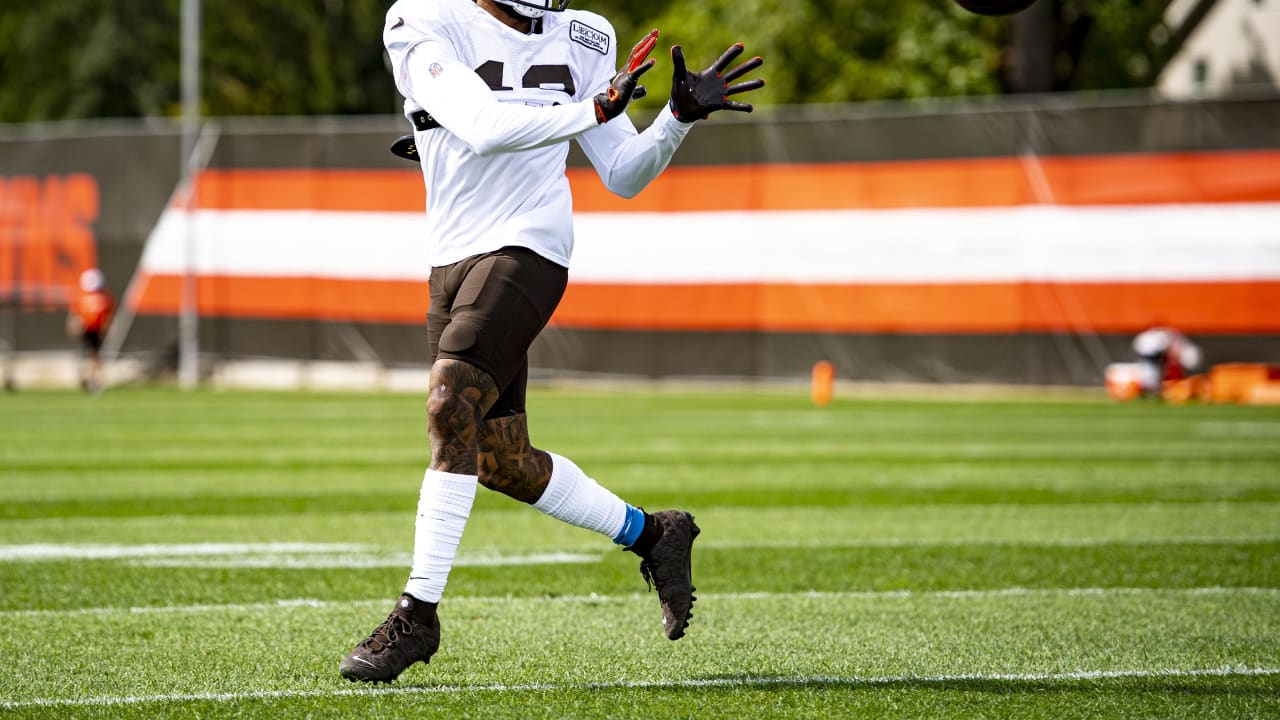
(486, 311)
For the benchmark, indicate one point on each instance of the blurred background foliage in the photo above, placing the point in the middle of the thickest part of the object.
(120, 58)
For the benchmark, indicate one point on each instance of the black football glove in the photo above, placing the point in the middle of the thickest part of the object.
(623, 88)
(694, 96)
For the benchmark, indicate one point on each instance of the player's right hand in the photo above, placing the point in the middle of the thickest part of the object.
(624, 86)
(694, 96)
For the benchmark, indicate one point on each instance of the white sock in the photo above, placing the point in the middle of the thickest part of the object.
(574, 498)
(443, 508)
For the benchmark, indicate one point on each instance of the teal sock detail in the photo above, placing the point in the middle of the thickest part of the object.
(631, 527)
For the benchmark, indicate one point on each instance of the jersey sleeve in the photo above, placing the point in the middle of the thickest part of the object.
(428, 72)
(628, 161)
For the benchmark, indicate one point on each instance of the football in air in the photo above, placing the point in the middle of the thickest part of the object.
(995, 7)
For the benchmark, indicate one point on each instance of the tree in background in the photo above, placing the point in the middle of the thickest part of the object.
(837, 51)
(1101, 44)
(119, 58)
(296, 57)
(87, 58)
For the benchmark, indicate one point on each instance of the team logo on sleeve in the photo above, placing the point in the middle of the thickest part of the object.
(435, 69)
(589, 36)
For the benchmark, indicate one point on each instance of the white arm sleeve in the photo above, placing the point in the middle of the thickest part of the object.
(461, 102)
(628, 161)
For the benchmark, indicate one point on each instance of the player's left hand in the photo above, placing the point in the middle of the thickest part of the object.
(625, 85)
(694, 96)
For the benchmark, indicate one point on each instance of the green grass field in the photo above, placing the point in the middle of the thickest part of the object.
(214, 554)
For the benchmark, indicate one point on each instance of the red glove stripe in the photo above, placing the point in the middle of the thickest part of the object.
(642, 50)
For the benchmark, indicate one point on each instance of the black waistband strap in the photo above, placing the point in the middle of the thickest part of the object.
(422, 120)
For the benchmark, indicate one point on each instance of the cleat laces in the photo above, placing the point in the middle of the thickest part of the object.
(647, 574)
(388, 633)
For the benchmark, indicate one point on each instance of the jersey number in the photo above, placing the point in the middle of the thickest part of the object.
(546, 77)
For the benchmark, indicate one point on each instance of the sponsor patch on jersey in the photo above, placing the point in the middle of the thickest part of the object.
(589, 36)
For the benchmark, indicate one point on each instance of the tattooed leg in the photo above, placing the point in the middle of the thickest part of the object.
(555, 485)
(508, 462)
(461, 393)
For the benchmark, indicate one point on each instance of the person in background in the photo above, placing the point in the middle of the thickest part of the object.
(87, 320)
(1164, 354)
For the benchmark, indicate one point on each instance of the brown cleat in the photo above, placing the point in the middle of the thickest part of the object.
(397, 643)
(668, 568)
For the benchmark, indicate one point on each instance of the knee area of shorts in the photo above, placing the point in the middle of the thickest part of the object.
(460, 337)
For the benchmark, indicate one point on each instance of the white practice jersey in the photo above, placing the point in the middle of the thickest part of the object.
(508, 103)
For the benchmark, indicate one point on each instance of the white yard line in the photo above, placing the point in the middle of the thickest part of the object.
(1012, 542)
(272, 555)
(88, 551)
(338, 555)
(722, 597)
(295, 561)
(851, 682)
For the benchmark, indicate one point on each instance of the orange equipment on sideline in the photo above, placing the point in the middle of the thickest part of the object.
(823, 383)
(1248, 383)
(1241, 383)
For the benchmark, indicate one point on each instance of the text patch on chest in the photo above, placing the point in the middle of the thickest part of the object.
(589, 36)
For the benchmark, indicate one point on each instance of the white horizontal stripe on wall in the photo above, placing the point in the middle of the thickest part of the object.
(291, 243)
(1134, 243)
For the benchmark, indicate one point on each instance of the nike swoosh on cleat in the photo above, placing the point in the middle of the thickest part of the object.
(362, 660)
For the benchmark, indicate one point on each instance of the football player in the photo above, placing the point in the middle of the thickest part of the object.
(495, 89)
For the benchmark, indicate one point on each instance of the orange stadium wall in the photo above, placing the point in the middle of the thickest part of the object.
(990, 242)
